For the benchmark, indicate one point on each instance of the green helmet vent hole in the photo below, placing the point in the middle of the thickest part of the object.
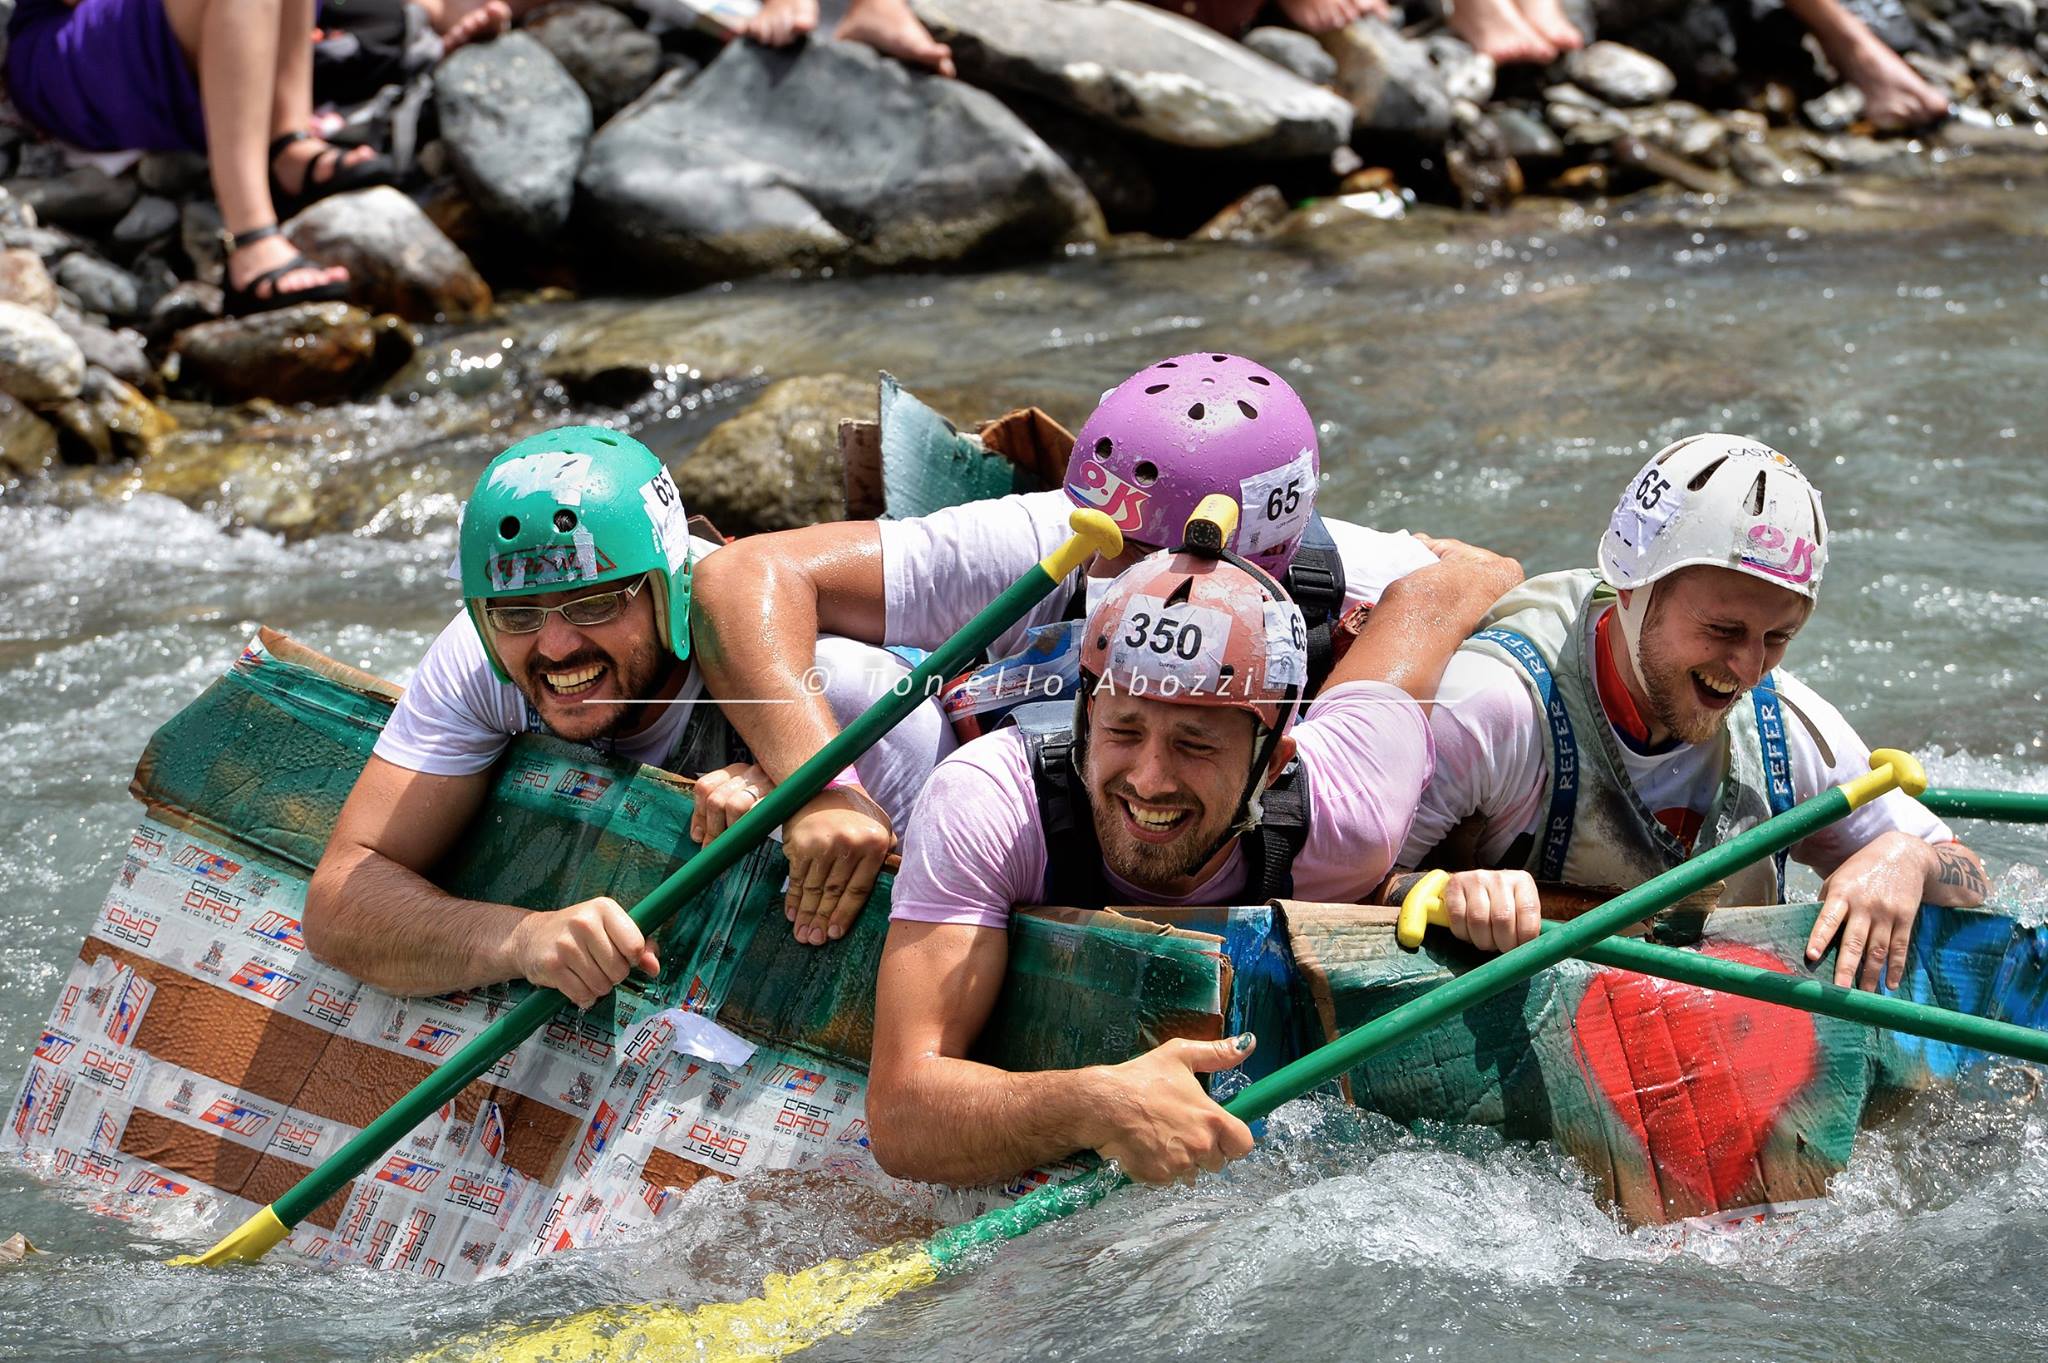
(565, 520)
(508, 528)
(1104, 448)
(1197, 412)
(606, 440)
(1146, 472)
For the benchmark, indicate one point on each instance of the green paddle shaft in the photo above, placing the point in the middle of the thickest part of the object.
(1817, 996)
(1093, 533)
(1455, 996)
(2004, 806)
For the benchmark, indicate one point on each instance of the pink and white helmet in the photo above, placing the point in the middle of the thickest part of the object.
(1179, 430)
(1192, 630)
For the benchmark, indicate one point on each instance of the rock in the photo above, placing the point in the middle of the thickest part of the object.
(120, 353)
(1621, 75)
(86, 197)
(516, 125)
(602, 50)
(397, 260)
(108, 421)
(1656, 160)
(1698, 40)
(1369, 180)
(830, 152)
(1835, 110)
(1119, 169)
(38, 362)
(50, 244)
(1467, 74)
(199, 232)
(313, 352)
(1143, 70)
(174, 174)
(776, 465)
(1390, 81)
(1254, 216)
(1296, 51)
(187, 305)
(23, 280)
(1525, 137)
(151, 218)
(1761, 163)
(1476, 159)
(100, 286)
(28, 445)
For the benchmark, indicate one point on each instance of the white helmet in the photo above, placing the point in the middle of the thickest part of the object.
(1720, 500)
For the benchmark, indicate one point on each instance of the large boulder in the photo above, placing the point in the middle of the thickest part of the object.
(1143, 70)
(515, 124)
(38, 362)
(397, 260)
(776, 465)
(602, 50)
(1390, 80)
(828, 153)
(311, 352)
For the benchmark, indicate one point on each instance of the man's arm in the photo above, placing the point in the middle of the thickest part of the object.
(1422, 618)
(756, 608)
(371, 913)
(1873, 897)
(935, 1116)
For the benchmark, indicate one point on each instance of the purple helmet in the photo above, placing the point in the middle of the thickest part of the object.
(1177, 431)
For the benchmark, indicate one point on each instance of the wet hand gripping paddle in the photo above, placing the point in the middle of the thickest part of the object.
(1424, 908)
(1093, 534)
(798, 1310)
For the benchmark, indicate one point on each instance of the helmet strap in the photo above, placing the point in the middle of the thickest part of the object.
(1632, 614)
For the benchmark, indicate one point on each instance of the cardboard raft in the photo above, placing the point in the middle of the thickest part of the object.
(199, 1061)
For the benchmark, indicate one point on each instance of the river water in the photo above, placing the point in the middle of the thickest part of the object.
(1495, 380)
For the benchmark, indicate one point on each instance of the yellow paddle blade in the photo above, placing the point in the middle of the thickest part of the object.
(249, 1241)
(793, 1312)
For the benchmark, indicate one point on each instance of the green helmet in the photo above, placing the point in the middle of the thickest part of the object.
(571, 507)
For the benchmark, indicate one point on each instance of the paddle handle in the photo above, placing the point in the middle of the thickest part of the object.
(2004, 806)
(1093, 534)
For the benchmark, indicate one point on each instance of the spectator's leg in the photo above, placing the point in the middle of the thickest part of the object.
(466, 21)
(1327, 16)
(1548, 19)
(890, 28)
(1497, 28)
(1894, 95)
(291, 103)
(782, 22)
(234, 46)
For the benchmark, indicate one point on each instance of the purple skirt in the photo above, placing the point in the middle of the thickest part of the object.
(105, 75)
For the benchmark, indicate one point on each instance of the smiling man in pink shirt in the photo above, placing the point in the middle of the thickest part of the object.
(1183, 780)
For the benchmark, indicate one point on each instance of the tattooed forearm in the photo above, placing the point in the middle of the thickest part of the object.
(1956, 867)
(1396, 887)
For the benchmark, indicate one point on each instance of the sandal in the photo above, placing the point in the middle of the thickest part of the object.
(247, 299)
(341, 177)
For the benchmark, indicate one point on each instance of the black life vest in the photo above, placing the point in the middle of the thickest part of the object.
(1074, 876)
(1315, 582)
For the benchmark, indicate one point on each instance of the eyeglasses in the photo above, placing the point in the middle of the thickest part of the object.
(596, 609)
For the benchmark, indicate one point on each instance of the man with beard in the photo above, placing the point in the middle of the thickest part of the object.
(1181, 759)
(1606, 725)
(576, 566)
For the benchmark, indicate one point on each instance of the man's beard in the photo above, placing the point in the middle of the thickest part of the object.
(1673, 706)
(1147, 864)
(637, 676)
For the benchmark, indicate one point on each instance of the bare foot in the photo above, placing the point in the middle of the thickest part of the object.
(1327, 16)
(891, 29)
(1895, 96)
(247, 262)
(782, 22)
(469, 21)
(1497, 28)
(1547, 17)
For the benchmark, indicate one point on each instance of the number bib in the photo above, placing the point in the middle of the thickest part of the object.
(1165, 650)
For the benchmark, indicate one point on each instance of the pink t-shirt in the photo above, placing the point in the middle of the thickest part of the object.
(975, 848)
(1493, 762)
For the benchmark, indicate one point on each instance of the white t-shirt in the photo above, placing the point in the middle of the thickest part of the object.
(455, 717)
(939, 570)
(1492, 760)
(975, 848)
